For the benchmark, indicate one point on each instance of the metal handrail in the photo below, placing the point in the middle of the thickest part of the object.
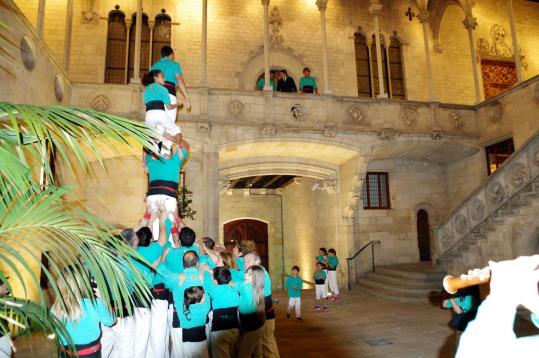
(349, 259)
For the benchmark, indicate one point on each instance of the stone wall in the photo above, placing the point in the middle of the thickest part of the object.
(464, 176)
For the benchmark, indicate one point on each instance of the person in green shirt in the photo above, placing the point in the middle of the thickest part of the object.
(320, 277)
(252, 310)
(193, 318)
(464, 308)
(307, 84)
(262, 81)
(294, 284)
(333, 263)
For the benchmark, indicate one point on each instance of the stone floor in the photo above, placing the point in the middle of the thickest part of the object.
(359, 326)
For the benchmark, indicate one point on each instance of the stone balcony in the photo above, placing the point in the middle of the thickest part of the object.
(276, 112)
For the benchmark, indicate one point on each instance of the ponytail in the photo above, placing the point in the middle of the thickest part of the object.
(257, 285)
(149, 77)
(191, 296)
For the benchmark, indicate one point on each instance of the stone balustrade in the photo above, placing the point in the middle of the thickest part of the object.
(519, 170)
(282, 111)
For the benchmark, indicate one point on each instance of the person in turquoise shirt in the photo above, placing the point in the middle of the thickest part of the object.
(322, 257)
(81, 316)
(193, 318)
(464, 309)
(307, 84)
(225, 299)
(173, 74)
(241, 249)
(252, 310)
(262, 81)
(226, 259)
(174, 258)
(294, 284)
(332, 264)
(320, 277)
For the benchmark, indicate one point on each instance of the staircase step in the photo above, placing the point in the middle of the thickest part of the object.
(411, 271)
(393, 281)
(396, 296)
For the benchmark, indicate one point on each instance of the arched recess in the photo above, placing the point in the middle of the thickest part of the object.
(437, 9)
(287, 59)
(161, 34)
(116, 43)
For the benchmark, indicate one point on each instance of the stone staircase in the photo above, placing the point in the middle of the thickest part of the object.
(499, 221)
(417, 283)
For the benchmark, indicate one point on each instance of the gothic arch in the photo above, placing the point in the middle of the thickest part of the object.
(279, 58)
(433, 217)
(437, 10)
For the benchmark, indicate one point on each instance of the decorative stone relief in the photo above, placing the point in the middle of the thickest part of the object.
(499, 47)
(446, 237)
(329, 186)
(437, 134)
(388, 134)
(477, 210)
(330, 131)
(536, 93)
(28, 53)
(409, 115)
(518, 175)
(456, 120)
(495, 112)
(101, 102)
(59, 87)
(355, 114)
(495, 193)
(236, 107)
(276, 23)
(90, 16)
(460, 224)
(299, 112)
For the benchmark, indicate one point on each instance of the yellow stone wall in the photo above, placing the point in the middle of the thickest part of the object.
(235, 36)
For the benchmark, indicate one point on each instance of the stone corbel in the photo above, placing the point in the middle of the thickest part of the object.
(388, 134)
(329, 186)
(90, 16)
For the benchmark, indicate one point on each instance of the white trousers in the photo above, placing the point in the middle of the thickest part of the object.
(177, 343)
(294, 303)
(250, 342)
(143, 320)
(107, 342)
(195, 349)
(171, 205)
(172, 113)
(321, 291)
(5, 346)
(161, 122)
(333, 285)
(123, 343)
(224, 344)
(159, 333)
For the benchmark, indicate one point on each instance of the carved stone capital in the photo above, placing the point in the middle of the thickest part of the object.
(265, 2)
(322, 4)
(375, 8)
(423, 16)
(470, 22)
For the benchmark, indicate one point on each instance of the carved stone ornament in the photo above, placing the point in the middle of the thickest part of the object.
(535, 156)
(276, 23)
(446, 237)
(101, 102)
(496, 193)
(330, 131)
(460, 224)
(499, 47)
(299, 112)
(329, 186)
(495, 112)
(388, 134)
(456, 120)
(59, 88)
(269, 129)
(477, 210)
(483, 45)
(354, 114)
(518, 175)
(536, 93)
(203, 128)
(236, 107)
(28, 53)
(90, 17)
(409, 116)
(437, 134)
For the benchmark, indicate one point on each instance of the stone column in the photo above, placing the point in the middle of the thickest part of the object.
(69, 32)
(267, 84)
(375, 8)
(322, 6)
(424, 19)
(40, 18)
(516, 48)
(204, 46)
(151, 25)
(126, 72)
(138, 37)
(470, 23)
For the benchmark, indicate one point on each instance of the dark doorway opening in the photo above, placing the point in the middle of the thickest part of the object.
(423, 235)
(498, 153)
(248, 229)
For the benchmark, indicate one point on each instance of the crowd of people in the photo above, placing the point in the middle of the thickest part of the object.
(280, 81)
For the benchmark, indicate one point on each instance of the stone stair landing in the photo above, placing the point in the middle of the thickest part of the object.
(416, 282)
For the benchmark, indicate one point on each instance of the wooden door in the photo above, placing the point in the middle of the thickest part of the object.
(248, 229)
(498, 76)
(423, 235)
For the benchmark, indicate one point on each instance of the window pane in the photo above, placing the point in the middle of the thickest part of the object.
(383, 191)
(364, 195)
(373, 191)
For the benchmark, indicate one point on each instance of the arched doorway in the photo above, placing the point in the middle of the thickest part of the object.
(248, 229)
(423, 235)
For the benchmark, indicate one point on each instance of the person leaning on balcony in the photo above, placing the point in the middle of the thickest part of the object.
(261, 82)
(307, 84)
(286, 83)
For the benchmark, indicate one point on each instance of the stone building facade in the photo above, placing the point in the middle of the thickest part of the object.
(431, 145)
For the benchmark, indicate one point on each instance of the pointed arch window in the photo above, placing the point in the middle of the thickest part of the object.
(116, 46)
(161, 35)
(363, 66)
(396, 71)
(144, 46)
(374, 62)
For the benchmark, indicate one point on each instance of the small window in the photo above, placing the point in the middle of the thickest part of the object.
(161, 35)
(363, 66)
(116, 42)
(375, 191)
(498, 153)
(395, 69)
